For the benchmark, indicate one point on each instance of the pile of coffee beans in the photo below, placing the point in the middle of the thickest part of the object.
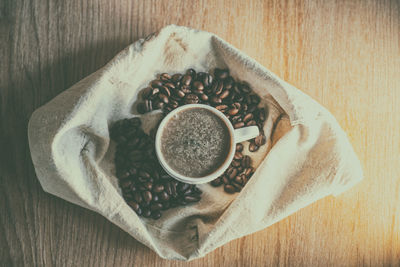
(146, 187)
(234, 98)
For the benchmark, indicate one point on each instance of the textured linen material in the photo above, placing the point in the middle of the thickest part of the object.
(307, 155)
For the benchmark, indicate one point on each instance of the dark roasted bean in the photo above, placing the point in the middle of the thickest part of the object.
(187, 79)
(163, 98)
(239, 147)
(216, 100)
(147, 92)
(216, 182)
(156, 83)
(238, 125)
(225, 179)
(156, 206)
(203, 97)
(141, 108)
(148, 185)
(147, 196)
(238, 187)
(222, 108)
(182, 187)
(207, 80)
(251, 123)
(262, 114)
(238, 155)
(224, 94)
(163, 196)
(221, 73)
(229, 189)
(191, 198)
(179, 93)
(134, 205)
(146, 213)
(260, 140)
(232, 173)
(198, 85)
(158, 188)
(253, 147)
(191, 99)
(165, 77)
(248, 117)
(169, 85)
(176, 77)
(233, 111)
(156, 214)
(245, 88)
(137, 197)
(246, 161)
(235, 163)
(165, 91)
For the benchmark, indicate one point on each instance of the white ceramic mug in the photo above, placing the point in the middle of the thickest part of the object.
(237, 136)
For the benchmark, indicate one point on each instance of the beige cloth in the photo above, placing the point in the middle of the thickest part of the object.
(307, 157)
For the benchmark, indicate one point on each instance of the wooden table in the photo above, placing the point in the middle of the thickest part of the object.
(345, 54)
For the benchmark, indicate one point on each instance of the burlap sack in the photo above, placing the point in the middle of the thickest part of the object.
(307, 157)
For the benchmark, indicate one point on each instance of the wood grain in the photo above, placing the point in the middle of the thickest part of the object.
(345, 54)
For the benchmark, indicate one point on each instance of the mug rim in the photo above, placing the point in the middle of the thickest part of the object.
(195, 180)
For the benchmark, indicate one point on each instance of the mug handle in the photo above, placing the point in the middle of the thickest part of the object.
(245, 133)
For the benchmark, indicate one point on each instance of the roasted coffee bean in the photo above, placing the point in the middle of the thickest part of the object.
(216, 100)
(137, 197)
(163, 98)
(197, 92)
(245, 88)
(253, 147)
(185, 89)
(148, 185)
(224, 94)
(197, 190)
(229, 82)
(186, 80)
(156, 206)
(233, 111)
(255, 99)
(239, 147)
(156, 214)
(191, 198)
(165, 91)
(238, 155)
(246, 161)
(163, 196)
(260, 140)
(158, 188)
(126, 183)
(232, 172)
(166, 205)
(225, 179)
(207, 80)
(238, 187)
(203, 97)
(235, 163)
(173, 104)
(176, 77)
(222, 108)
(144, 174)
(182, 187)
(248, 171)
(179, 93)
(170, 86)
(135, 206)
(139, 211)
(165, 77)
(191, 99)
(148, 105)
(248, 117)
(168, 189)
(216, 182)
(198, 85)
(229, 189)
(191, 72)
(251, 123)
(238, 125)
(147, 92)
(218, 88)
(238, 179)
(189, 191)
(156, 83)
(155, 198)
(262, 114)
(147, 196)
(221, 73)
(146, 213)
